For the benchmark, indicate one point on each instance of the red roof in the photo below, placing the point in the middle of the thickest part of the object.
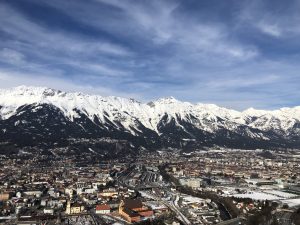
(133, 203)
(103, 207)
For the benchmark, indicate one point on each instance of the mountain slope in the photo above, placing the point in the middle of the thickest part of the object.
(36, 116)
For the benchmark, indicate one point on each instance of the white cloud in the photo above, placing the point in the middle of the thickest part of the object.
(158, 22)
(112, 49)
(161, 23)
(242, 81)
(12, 79)
(270, 29)
(149, 46)
(11, 56)
(30, 33)
(101, 69)
(269, 20)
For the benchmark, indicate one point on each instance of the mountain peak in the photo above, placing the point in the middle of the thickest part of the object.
(118, 114)
(167, 100)
(33, 90)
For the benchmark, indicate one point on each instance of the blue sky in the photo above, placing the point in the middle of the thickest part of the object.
(233, 53)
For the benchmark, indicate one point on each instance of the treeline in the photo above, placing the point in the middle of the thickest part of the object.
(264, 216)
(296, 217)
(171, 216)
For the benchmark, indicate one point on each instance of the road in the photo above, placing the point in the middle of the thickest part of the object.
(172, 207)
(235, 221)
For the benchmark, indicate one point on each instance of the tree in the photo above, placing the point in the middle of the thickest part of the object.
(296, 217)
(285, 206)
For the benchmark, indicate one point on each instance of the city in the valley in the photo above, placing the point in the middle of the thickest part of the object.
(212, 186)
(149, 112)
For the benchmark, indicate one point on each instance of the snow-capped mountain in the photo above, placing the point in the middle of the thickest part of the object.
(37, 115)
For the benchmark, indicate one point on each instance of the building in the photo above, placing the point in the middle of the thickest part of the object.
(37, 194)
(103, 209)
(133, 210)
(4, 196)
(48, 211)
(69, 192)
(191, 182)
(108, 193)
(74, 208)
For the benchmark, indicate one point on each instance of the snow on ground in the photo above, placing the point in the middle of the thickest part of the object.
(91, 150)
(292, 202)
(280, 193)
(191, 199)
(262, 193)
(145, 194)
(24, 152)
(155, 205)
(257, 196)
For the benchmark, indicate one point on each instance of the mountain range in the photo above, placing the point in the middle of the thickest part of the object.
(44, 117)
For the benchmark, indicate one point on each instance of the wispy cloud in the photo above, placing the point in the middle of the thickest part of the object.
(240, 82)
(271, 29)
(11, 56)
(235, 53)
(163, 24)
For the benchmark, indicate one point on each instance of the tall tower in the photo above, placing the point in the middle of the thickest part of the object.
(68, 208)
